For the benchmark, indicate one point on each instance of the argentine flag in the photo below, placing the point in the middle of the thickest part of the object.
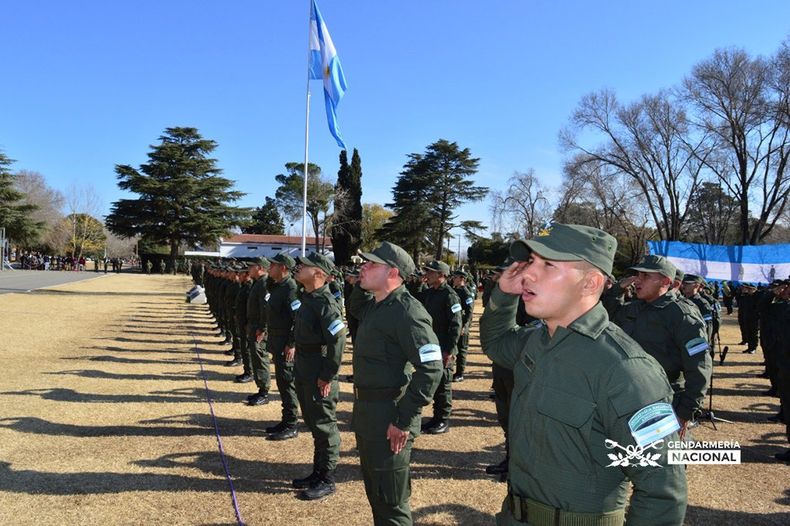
(325, 64)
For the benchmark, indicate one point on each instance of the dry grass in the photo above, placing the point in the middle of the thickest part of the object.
(104, 420)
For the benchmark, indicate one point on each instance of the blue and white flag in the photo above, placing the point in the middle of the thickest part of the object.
(325, 64)
(751, 264)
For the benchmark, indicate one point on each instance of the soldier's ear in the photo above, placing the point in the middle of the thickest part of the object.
(593, 283)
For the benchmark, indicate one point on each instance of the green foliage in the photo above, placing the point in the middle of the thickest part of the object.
(346, 228)
(182, 196)
(265, 219)
(320, 193)
(488, 252)
(15, 216)
(430, 188)
(374, 217)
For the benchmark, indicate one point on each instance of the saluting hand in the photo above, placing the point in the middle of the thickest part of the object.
(397, 438)
(289, 353)
(510, 281)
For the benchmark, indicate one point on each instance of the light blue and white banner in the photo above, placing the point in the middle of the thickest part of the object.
(751, 264)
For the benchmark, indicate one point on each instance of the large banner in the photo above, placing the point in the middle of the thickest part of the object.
(752, 264)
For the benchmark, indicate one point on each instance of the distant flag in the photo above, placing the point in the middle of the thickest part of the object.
(325, 64)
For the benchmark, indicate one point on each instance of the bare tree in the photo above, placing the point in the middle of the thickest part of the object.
(523, 206)
(49, 202)
(648, 141)
(83, 205)
(742, 102)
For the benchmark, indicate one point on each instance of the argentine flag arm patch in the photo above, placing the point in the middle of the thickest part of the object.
(652, 423)
(696, 346)
(266, 298)
(335, 327)
(430, 352)
(455, 308)
(469, 301)
(295, 305)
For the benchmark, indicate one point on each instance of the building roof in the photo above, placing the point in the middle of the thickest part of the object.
(266, 239)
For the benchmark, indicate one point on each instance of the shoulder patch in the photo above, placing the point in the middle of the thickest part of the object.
(469, 301)
(296, 304)
(652, 423)
(336, 294)
(456, 307)
(696, 346)
(335, 327)
(430, 352)
(268, 295)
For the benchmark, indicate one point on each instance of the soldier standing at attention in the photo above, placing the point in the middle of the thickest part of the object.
(148, 266)
(467, 299)
(690, 288)
(229, 300)
(281, 308)
(320, 336)
(670, 331)
(162, 266)
(581, 386)
(240, 322)
(256, 333)
(443, 305)
(394, 330)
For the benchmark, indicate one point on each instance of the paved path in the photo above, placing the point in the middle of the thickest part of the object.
(27, 280)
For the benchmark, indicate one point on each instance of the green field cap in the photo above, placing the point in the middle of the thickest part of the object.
(659, 264)
(438, 266)
(263, 262)
(391, 254)
(693, 278)
(283, 259)
(317, 260)
(569, 243)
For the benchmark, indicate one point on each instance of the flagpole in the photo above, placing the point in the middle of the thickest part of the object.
(306, 135)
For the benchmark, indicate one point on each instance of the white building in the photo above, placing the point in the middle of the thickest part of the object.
(262, 245)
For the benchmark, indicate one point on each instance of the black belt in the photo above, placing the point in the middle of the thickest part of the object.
(375, 395)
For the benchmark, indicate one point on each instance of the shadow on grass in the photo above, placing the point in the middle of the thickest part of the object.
(701, 515)
(462, 515)
(190, 376)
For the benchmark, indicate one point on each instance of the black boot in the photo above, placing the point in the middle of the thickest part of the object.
(284, 434)
(243, 378)
(305, 482)
(259, 399)
(498, 469)
(322, 487)
(276, 428)
(234, 362)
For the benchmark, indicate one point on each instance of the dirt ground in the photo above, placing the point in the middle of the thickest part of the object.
(104, 419)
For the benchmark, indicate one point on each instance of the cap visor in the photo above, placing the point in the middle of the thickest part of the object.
(304, 261)
(369, 256)
(549, 253)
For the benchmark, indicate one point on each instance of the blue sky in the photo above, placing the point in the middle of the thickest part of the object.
(90, 84)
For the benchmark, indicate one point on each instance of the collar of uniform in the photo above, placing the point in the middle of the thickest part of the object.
(592, 323)
(664, 300)
(394, 295)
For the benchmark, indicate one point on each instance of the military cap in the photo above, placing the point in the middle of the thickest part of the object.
(353, 272)
(680, 275)
(693, 278)
(392, 255)
(460, 273)
(563, 242)
(655, 263)
(263, 262)
(317, 260)
(438, 266)
(283, 259)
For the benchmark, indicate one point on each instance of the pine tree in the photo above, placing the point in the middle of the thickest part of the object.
(347, 218)
(429, 190)
(266, 220)
(182, 197)
(15, 215)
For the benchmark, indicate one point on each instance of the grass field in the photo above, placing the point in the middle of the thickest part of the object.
(104, 419)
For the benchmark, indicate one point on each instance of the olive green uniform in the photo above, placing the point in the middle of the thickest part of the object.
(320, 336)
(256, 321)
(229, 302)
(240, 310)
(443, 305)
(575, 392)
(706, 311)
(673, 334)
(392, 333)
(281, 309)
(467, 301)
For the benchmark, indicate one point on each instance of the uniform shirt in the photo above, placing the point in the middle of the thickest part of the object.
(256, 307)
(393, 332)
(241, 305)
(319, 322)
(229, 300)
(669, 331)
(467, 304)
(443, 305)
(574, 393)
(281, 308)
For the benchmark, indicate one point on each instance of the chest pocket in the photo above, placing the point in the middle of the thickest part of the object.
(564, 407)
